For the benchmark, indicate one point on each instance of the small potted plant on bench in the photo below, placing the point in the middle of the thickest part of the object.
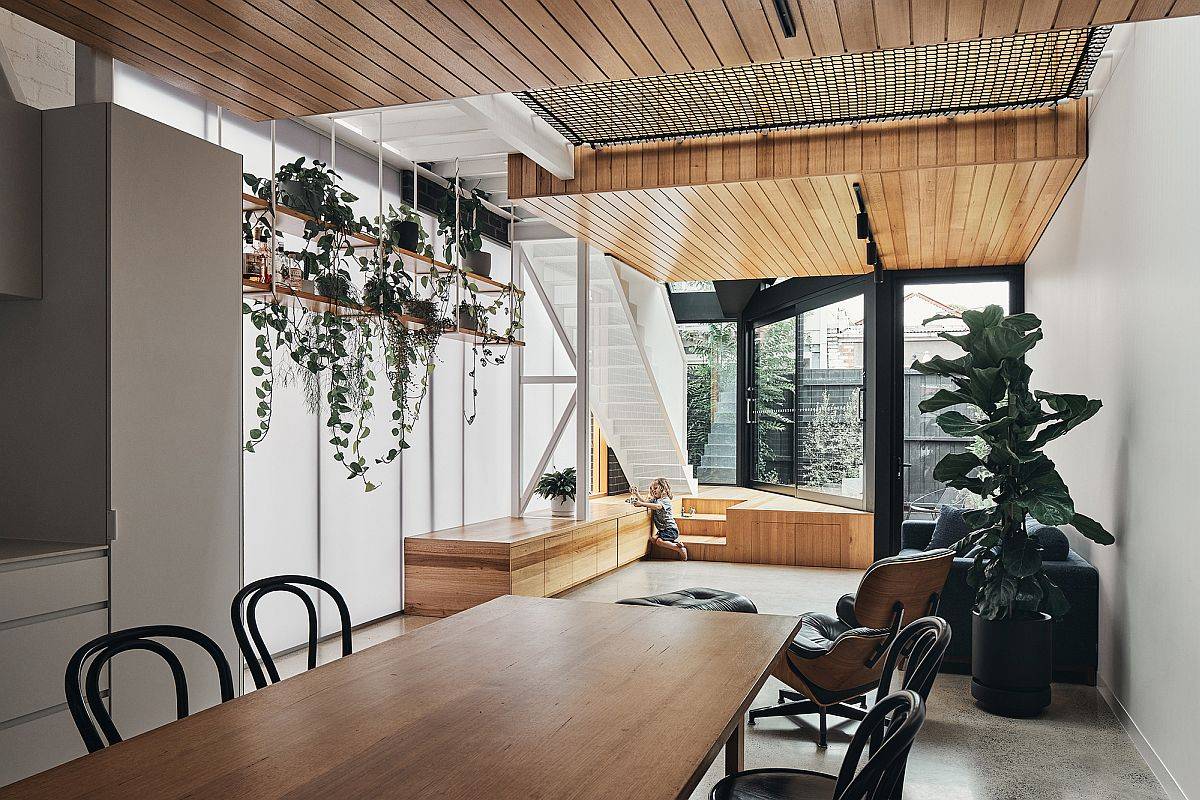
(558, 486)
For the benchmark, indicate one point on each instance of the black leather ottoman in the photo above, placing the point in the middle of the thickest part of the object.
(698, 598)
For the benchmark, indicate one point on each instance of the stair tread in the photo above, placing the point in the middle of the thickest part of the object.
(708, 517)
(719, 541)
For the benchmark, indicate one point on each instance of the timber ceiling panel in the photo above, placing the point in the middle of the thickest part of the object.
(284, 58)
(973, 190)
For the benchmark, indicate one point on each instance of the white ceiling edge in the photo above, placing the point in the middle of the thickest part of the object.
(1115, 48)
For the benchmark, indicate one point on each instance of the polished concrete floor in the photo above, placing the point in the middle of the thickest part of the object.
(1077, 749)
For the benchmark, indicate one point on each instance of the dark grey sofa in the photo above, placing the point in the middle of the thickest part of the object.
(1075, 635)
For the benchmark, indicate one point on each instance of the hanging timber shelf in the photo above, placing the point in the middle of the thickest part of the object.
(319, 304)
(291, 221)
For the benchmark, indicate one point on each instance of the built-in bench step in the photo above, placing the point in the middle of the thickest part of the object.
(702, 525)
(688, 540)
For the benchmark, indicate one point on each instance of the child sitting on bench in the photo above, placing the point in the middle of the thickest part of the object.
(666, 533)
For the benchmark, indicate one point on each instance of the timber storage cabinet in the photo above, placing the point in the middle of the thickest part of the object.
(454, 569)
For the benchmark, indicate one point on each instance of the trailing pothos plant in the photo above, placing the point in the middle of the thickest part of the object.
(465, 237)
(1013, 475)
(491, 342)
(334, 352)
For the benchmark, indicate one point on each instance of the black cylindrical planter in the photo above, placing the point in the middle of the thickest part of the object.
(406, 232)
(300, 197)
(1012, 664)
(478, 263)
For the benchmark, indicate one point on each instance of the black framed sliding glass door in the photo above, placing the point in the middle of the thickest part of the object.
(773, 404)
(807, 401)
(924, 444)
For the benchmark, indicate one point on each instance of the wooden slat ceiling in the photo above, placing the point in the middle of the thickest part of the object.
(973, 190)
(285, 58)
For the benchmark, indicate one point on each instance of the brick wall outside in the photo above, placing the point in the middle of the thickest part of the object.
(43, 61)
(617, 482)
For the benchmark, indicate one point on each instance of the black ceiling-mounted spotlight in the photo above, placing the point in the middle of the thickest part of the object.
(786, 21)
(863, 223)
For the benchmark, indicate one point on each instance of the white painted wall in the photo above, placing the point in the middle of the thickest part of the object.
(43, 61)
(1115, 281)
(301, 513)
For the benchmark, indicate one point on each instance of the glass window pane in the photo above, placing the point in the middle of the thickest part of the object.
(925, 444)
(711, 350)
(683, 287)
(829, 408)
(775, 402)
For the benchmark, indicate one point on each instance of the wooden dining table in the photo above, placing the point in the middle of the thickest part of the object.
(516, 699)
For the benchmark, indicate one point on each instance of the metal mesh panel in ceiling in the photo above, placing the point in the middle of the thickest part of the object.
(935, 80)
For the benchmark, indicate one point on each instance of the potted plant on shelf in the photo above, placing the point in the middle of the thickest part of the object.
(461, 233)
(403, 229)
(1015, 602)
(558, 486)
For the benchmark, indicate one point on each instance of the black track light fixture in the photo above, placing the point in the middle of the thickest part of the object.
(863, 225)
(786, 20)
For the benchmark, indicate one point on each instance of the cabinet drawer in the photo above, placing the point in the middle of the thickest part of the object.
(558, 563)
(606, 548)
(527, 566)
(633, 537)
(33, 659)
(38, 745)
(583, 554)
(52, 587)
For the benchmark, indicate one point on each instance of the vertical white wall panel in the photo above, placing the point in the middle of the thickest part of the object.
(301, 514)
(175, 384)
(1114, 280)
(487, 468)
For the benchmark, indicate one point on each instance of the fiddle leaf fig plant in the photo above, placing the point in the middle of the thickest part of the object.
(1016, 479)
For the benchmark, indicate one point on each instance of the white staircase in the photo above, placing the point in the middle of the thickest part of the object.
(718, 464)
(625, 393)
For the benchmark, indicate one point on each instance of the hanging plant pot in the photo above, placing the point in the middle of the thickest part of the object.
(299, 196)
(334, 286)
(1011, 664)
(467, 318)
(406, 234)
(478, 263)
(562, 506)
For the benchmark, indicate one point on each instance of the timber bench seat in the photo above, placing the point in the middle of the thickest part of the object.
(453, 569)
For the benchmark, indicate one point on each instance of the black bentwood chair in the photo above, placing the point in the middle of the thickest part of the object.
(83, 689)
(923, 644)
(890, 726)
(253, 642)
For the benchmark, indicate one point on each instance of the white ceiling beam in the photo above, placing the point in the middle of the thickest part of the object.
(448, 151)
(448, 137)
(393, 131)
(478, 165)
(525, 132)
